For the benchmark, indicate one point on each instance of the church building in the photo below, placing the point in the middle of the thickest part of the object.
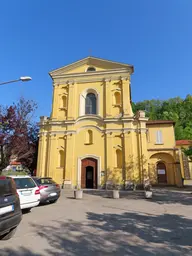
(92, 136)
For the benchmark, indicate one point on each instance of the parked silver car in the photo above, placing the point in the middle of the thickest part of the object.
(49, 189)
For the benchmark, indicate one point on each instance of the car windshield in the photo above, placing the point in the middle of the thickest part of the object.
(46, 181)
(24, 183)
(6, 187)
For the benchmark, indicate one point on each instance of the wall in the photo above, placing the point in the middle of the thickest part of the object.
(168, 136)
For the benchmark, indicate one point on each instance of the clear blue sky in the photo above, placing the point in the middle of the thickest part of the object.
(40, 35)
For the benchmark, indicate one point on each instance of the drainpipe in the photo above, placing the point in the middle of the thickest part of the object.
(182, 165)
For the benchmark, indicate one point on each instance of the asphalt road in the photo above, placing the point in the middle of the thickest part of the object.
(104, 226)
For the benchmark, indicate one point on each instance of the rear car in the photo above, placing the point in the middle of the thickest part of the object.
(28, 192)
(10, 211)
(49, 189)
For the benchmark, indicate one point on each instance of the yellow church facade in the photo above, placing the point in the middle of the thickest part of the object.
(92, 136)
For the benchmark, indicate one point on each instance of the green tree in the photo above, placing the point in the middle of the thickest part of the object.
(176, 109)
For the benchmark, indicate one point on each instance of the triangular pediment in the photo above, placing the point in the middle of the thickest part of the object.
(82, 65)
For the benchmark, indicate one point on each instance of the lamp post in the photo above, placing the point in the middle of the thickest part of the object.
(22, 78)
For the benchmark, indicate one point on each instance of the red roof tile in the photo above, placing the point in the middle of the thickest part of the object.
(160, 122)
(183, 142)
(15, 163)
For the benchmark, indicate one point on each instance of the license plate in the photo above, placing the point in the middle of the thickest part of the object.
(26, 193)
(6, 209)
(53, 194)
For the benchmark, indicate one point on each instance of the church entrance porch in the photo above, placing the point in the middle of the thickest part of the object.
(89, 173)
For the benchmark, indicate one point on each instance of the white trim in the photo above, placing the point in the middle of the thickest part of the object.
(97, 73)
(91, 79)
(159, 137)
(87, 61)
(89, 126)
(83, 97)
(79, 159)
(93, 127)
(88, 117)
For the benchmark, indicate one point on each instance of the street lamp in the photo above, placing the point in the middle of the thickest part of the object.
(22, 78)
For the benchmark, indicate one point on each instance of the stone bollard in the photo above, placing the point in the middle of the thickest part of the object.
(115, 194)
(78, 194)
(148, 194)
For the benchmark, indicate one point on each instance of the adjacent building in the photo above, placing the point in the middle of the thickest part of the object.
(92, 135)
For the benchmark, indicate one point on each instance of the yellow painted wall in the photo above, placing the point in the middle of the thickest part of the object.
(119, 140)
(83, 68)
(168, 137)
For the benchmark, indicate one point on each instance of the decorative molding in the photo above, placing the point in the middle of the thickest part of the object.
(107, 80)
(116, 89)
(124, 78)
(64, 93)
(83, 98)
(91, 61)
(118, 147)
(108, 132)
(162, 149)
(105, 131)
(50, 122)
(88, 117)
(88, 80)
(96, 73)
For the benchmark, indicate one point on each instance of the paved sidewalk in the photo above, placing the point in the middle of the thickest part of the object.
(103, 226)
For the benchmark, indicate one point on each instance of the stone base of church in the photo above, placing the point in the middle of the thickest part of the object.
(67, 184)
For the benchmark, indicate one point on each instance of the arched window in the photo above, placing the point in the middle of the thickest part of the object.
(117, 97)
(118, 158)
(91, 69)
(64, 102)
(90, 104)
(89, 137)
(61, 158)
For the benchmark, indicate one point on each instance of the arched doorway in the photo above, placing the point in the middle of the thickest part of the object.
(89, 176)
(161, 173)
(89, 173)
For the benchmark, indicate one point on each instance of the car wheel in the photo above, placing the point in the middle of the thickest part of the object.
(27, 210)
(53, 201)
(8, 235)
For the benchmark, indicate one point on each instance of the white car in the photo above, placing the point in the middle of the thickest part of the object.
(28, 191)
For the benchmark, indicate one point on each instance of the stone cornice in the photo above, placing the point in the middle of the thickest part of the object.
(105, 131)
(67, 82)
(91, 61)
(86, 118)
(162, 149)
(102, 74)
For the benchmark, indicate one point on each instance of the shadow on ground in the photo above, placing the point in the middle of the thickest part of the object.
(108, 193)
(160, 196)
(172, 197)
(116, 234)
(22, 251)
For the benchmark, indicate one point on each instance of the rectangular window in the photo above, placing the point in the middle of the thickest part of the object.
(22, 183)
(159, 137)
